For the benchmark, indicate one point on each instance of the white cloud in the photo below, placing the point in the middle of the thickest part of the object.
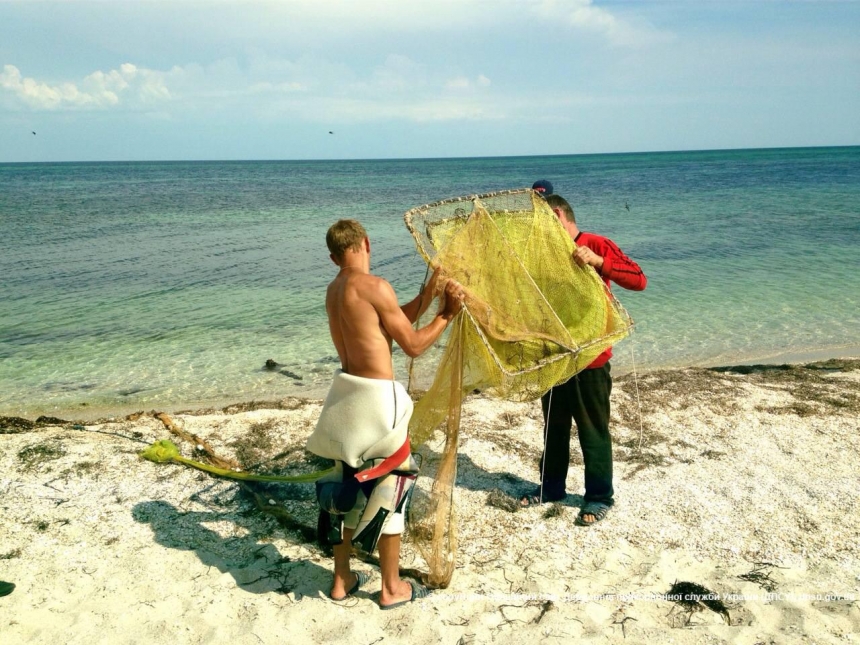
(459, 83)
(310, 89)
(397, 73)
(97, 90)
(464, 83)
(40, 94)
(277, 87)
(419, 110)
(583, 15)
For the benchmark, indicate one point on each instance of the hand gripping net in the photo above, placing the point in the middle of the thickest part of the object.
(532, 318)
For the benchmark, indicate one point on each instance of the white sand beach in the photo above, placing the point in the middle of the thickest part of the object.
(743, 481)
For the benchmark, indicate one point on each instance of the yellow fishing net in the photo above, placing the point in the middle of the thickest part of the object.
(532, 318)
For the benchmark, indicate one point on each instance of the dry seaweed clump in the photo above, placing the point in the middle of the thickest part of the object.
(811, 385)
(499, 499)
(554, 510)
(17, 425)
(641, 459)
(261, 449)
(787, 372)
(296, 456)
(511, 444)
(693, 597)
(14, 425)
(289, 403)
(34, 456)
(678, 389)
(761, 576)
(256, 445)
(85, 468)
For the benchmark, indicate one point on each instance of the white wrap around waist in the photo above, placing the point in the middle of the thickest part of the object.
(362, 419)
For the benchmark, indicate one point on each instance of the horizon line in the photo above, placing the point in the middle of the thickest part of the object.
(452, 158)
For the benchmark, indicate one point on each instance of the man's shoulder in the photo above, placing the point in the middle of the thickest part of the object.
(373, 287)
(359, 279)
(592, 236)
(363, 283)
(374, 281)
(588, 239)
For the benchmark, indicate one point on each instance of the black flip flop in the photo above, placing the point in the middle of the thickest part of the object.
(534, 498)
(418, 591)
(598, 509)
(361, 579)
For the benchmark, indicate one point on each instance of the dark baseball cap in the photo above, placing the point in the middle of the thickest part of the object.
(543, 187)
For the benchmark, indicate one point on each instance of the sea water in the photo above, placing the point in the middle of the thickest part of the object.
(169, 284)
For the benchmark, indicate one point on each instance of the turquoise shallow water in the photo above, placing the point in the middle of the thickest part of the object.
(142, 285)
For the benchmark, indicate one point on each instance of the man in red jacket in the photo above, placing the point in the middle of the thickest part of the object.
(585, 397)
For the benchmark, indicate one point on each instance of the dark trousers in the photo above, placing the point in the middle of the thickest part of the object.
(584, 399)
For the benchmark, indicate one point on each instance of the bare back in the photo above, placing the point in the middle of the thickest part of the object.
(363, 345)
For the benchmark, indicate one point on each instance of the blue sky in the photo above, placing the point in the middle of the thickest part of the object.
(159, 79)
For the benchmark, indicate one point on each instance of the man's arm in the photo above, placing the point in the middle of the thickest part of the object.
(413, 342)
(611, 263)
(416, 307)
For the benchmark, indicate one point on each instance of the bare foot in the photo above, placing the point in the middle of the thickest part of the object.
(341, 588)
(401, 591)
(591, 513)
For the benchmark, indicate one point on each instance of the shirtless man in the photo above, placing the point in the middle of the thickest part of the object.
(364, 318)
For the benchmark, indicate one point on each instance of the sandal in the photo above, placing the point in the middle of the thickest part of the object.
(418, 591)
(598, 509)
(534, 498)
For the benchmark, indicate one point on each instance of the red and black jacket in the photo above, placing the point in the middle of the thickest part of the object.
(617, 267)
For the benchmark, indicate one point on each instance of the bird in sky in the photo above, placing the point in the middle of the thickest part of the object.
(34, 134)
(330, 132)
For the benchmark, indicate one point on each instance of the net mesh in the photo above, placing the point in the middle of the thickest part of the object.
(532, 318)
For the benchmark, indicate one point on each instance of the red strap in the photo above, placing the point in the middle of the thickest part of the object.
(386, 466)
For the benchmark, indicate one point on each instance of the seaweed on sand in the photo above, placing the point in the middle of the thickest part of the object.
(761, 576)
(502, 500)
(13, 425)
(36, 455)
(694, 597)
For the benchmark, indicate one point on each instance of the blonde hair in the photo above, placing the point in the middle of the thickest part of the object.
(344, 235)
